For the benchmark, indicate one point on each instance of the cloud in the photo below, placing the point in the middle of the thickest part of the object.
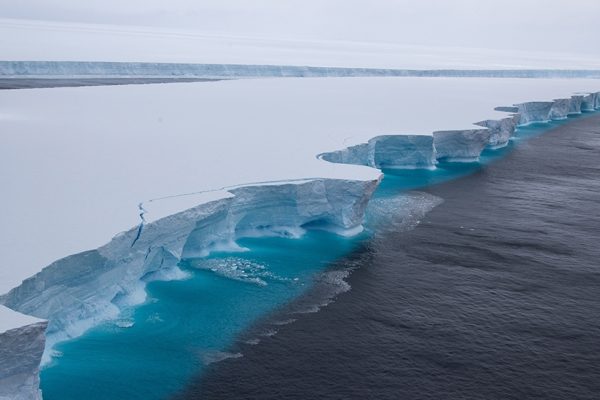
(547, 25)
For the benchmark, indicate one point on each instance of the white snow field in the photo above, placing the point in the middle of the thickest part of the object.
(77, 162)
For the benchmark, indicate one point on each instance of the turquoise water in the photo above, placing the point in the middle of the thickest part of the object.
(185, 325)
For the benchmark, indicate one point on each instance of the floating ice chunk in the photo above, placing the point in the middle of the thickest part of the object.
(124, 323)
(218, 356)
(240, 269)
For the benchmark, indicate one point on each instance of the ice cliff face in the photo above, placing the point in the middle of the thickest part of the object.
(416, 151)
(461, 145)
(560, 109)
(21, 348)
(390, 151)
(500, 130)
(576, 102)
(79, 291)
(534, 111)
(541, 111)
(588, 102)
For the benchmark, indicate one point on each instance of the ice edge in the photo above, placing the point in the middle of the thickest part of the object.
(118, 271)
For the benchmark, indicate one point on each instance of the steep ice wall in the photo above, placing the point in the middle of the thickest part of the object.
(460, 145)
(81, 290)
(576, 102)
(21, 346)
(534, 111)
(560, 109)
(501, 130)
(388, 151)
(402, 151)
(588, 102)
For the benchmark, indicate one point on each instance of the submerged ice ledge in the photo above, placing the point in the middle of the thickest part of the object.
(80, 291)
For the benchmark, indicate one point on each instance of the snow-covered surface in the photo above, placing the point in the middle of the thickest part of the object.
(10, 319)
(76, 162)
(29, 40)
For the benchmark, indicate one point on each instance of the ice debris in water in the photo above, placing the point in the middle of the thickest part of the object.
(124, 323)
(240, 269)
(218, 356)
(154, 318)
(409, 208)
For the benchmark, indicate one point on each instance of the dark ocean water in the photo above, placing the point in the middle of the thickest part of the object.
(494, 295)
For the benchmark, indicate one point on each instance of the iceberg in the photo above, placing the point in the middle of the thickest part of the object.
(183, 170)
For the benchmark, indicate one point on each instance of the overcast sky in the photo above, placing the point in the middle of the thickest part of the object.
(547, 25)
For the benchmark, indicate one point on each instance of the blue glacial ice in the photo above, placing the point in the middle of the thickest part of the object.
(82, 290)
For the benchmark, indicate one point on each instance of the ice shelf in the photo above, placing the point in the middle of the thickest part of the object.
(83, 159)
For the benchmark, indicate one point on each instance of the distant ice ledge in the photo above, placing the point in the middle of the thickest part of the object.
(107, 69)
(80, 291)
(425, 151)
